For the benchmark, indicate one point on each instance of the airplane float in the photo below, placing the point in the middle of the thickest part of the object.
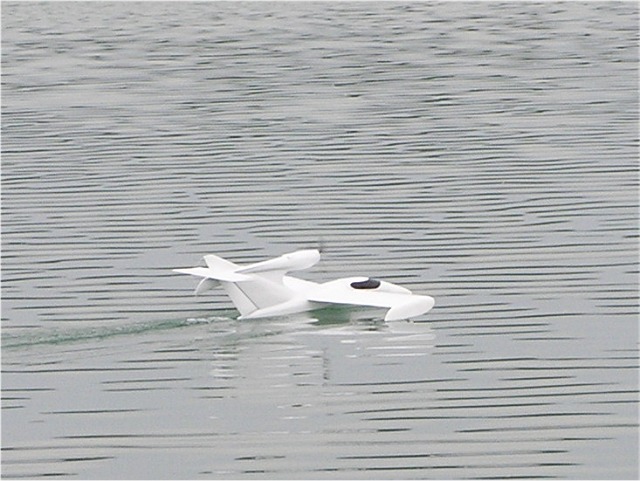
(264, 289)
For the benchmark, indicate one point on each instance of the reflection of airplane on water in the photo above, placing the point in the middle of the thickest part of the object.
(264, 290)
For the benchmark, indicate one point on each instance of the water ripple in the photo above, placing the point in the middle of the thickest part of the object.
(485, 154)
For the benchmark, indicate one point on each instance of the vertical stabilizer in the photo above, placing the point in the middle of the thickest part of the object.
(256, 293)
(257, 286)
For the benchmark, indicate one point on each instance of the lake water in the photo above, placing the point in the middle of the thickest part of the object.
(485, 154)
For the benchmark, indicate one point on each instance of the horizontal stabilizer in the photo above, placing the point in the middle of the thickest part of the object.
(221, 275)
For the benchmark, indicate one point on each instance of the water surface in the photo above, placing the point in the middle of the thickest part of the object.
(482, 153)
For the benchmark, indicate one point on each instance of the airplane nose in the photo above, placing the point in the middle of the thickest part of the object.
(416, 306)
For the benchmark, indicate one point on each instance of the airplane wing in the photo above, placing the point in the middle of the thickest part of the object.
(275, 269)
(402, 304)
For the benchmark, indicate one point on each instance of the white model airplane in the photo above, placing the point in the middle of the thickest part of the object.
(264, 290)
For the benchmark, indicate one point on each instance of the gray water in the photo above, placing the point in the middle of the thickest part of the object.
(482, 153)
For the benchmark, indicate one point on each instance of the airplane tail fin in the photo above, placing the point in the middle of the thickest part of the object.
(217, 270)
(216, 263)
(249, 292)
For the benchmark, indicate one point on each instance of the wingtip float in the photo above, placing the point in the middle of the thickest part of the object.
(264, 289)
